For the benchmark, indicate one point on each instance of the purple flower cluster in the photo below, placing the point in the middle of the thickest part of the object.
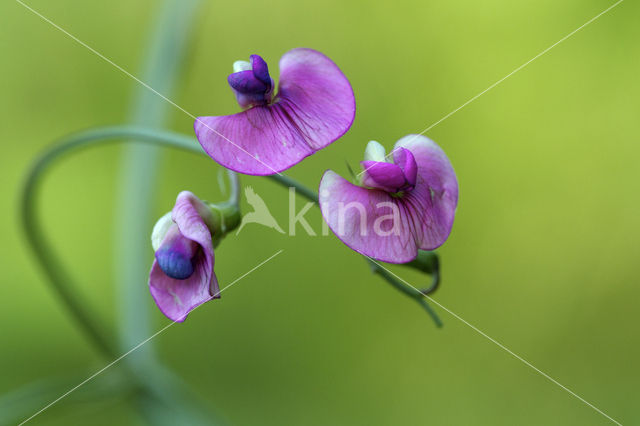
(314, 106)
(405, 201)
(402, 207)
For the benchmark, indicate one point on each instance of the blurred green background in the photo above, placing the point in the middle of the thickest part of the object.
(543, 256)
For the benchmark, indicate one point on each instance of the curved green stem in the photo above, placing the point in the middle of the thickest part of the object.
(435, 284)
(426, 261)
(234, 180)
(417, 295)
(58, 278)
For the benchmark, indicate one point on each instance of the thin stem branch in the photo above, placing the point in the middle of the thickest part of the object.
(418, 295)
(287, 182)
(234, 180)
(428, 262)
(435, 283)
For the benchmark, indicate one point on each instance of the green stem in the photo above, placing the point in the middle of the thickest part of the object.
(418, 295)
(427, 262)
(409, 291)
(436, 319)
(162, 59)
(287, 182)
(58, 278)
(235, 188)
(51, 265)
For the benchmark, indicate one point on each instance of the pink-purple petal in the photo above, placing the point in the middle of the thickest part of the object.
(174, 297)
(260, 69)
(417, 219)
(437, 185)
(320, 95)
(314, 107)
(351, 212)
(246, 82)
(386, 176)
(407, 163)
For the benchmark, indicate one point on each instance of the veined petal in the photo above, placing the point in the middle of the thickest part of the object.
(314, 107)
(175, 297)
(370, 221)
(392, 228)
(190, 214)
(319, 92)
(436, 187)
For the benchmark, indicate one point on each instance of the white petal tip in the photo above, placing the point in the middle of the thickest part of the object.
(374, 152)
(241, 66)
(160, 229)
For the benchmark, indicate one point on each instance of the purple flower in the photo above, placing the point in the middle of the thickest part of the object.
(313, 107)
(182, 276)
(404, 206)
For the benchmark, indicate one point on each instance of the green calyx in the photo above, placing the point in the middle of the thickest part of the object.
(221, 219)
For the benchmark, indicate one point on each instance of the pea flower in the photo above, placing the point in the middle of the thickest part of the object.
(182, 276)
(403, 206)
(313, 107)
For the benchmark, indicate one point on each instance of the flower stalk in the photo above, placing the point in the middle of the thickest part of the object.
(426, 261)
(167, 393)
(58, 278)
(51, 265)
